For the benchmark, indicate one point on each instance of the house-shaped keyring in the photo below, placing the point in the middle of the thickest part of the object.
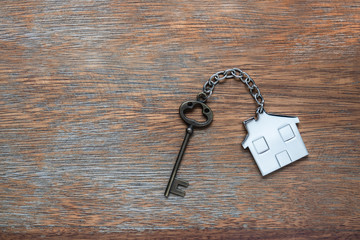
(274, 141)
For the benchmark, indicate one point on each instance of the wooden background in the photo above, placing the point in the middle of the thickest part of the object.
(90, 130)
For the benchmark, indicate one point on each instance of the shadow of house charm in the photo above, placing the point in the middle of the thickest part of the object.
(274, 141)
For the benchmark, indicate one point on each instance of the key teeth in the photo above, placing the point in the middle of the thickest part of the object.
(175, 190)
(181, 182)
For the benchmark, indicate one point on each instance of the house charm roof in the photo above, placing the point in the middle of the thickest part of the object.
(274, 141)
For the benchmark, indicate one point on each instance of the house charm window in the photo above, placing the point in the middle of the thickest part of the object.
(260, 145)
(286, 133)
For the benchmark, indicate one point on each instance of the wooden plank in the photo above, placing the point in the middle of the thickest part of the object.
(89, 123)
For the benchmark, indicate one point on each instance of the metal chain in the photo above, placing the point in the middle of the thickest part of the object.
(237, 74)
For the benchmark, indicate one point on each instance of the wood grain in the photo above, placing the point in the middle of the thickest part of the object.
(89, 123)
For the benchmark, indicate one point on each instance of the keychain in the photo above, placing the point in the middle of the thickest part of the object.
(273, 140)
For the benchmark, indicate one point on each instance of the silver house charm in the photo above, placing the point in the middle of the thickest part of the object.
(274, 141)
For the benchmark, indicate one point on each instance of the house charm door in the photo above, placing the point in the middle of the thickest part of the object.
(273, 140)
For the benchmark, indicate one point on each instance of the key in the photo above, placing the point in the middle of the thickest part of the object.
(172, 186)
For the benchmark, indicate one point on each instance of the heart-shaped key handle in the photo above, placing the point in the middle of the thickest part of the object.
(206, 111)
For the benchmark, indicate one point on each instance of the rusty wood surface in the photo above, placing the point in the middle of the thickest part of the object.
(89, 97)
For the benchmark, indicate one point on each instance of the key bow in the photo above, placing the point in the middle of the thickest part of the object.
(206, 111)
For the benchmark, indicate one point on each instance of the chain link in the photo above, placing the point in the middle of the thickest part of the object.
(237, 74)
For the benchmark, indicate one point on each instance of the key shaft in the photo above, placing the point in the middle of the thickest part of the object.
(189, 131)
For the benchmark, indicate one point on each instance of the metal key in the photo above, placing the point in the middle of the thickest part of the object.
(174, 182)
